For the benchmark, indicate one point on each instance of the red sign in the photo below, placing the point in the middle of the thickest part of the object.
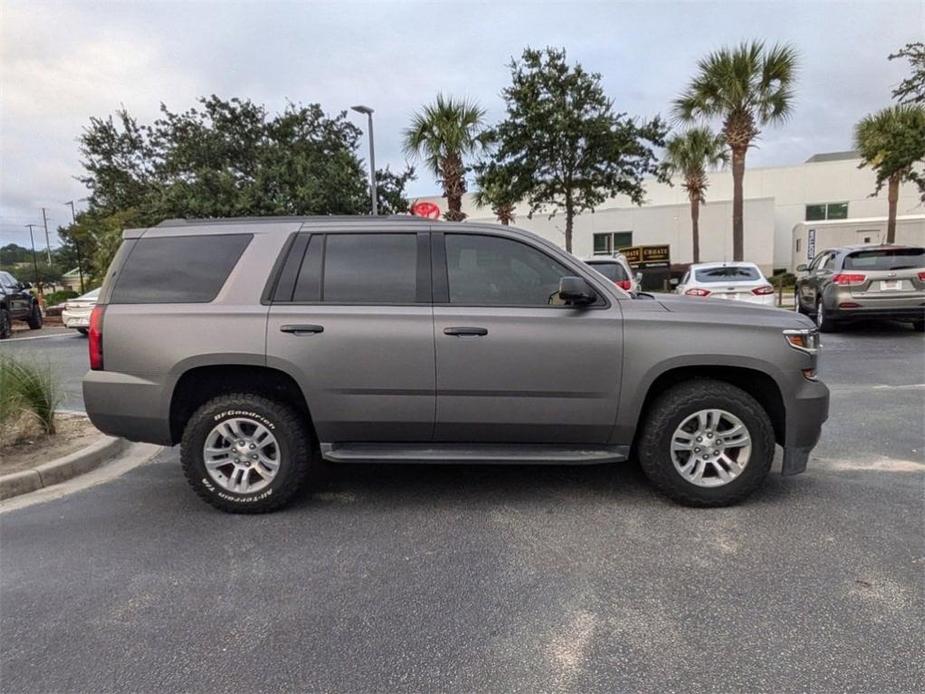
(423, 208)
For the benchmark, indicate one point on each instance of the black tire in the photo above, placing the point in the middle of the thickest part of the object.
(824, 321)
(83, 331)
(34, 321)
(675, 405)
(6, 330)
(295, 452)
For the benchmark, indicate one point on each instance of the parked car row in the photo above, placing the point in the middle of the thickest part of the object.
(17, 304)
(840, 285)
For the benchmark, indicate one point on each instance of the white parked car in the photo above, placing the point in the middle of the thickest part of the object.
(76, 313)
(615, 268)
(736, 281)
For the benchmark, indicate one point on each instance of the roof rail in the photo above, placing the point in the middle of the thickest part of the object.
(293, 218)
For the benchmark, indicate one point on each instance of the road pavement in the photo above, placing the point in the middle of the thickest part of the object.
(464, 578)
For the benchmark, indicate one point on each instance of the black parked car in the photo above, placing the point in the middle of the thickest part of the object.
(17, 303)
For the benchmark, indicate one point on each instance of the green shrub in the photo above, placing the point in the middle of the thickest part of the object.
(28, 387)
(59, 297)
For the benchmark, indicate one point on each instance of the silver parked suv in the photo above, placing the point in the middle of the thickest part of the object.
(265, 345)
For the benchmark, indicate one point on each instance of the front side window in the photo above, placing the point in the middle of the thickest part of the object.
(370, 269)
(178, 269)
(494, 271)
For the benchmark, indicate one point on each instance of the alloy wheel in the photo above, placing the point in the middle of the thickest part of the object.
(711, 448)
(241, 455)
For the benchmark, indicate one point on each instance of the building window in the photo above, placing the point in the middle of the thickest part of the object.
(606, 244)
(603, 244)
(827, 210)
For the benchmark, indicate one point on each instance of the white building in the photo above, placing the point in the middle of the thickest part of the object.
(777, 201)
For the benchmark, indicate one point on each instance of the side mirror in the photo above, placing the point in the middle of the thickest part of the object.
(674, 281)
(802, 267)
(25, 285)
(574, 290)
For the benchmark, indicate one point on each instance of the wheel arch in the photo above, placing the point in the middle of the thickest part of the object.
(760, 385)
(199, 384)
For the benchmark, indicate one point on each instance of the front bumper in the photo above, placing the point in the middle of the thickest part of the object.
(806, 414)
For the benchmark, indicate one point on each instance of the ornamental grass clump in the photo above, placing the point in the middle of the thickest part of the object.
(29, 397)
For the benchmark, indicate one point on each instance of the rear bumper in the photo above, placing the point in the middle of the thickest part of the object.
(806, 413)
(127, 406)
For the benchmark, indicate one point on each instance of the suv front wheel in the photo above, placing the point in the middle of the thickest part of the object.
(706, 443)
(245, 453)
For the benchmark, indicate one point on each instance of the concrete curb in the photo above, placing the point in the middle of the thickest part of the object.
(62, 469)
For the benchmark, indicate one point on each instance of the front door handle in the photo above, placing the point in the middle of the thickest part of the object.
(465, 331)
(302, 329)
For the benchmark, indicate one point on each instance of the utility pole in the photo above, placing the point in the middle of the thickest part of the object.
(80, 268)
(35, 264)
(47, 243)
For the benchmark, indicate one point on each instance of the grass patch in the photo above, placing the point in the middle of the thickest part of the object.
(28, 390)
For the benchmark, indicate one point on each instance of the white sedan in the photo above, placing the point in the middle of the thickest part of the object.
(735, 281)
(76, 313)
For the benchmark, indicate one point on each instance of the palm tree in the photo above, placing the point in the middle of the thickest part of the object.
(498, 190)
(748, 87)
(443, 134)
(892, 142)
(689, 155)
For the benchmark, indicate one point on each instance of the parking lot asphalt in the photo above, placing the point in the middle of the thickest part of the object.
(463, 578)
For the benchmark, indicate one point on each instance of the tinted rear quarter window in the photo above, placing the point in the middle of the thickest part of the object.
(885, 259)
(727, 274)
(178, 269)
(612, 271)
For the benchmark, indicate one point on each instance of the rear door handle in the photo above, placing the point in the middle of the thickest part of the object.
(302, 329)
(465, 331)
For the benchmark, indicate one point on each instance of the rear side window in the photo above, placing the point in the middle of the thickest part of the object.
(727, 274)
(369, 269)
(178, 269)
(886, 259)
(612, 271)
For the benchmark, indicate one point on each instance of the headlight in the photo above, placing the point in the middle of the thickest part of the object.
(804, 340)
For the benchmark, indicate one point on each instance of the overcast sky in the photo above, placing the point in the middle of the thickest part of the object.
(63, 62)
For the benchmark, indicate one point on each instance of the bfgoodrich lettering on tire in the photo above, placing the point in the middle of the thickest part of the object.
(246, 453)
(706, 443)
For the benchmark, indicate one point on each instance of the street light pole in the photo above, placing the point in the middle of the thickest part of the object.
(47, 243)
(372, 156)
(35, 265)
(80, 269)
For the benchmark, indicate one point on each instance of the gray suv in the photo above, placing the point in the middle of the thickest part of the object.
(857, 283)
(264, 346)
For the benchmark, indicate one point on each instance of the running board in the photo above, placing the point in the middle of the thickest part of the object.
(489, 454)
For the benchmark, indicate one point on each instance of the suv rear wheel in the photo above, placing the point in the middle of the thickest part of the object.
(706, 443)
(5, 328)
(245, 453)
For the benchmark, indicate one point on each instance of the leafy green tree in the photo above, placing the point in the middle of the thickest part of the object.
(390, 191)
(563, 141)
(444, 134)
(221, 159)
(912, 89)
(748, 87)
(892, 143)
(690, 155)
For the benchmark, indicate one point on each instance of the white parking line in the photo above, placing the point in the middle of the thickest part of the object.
(877, 386)
(14, 340)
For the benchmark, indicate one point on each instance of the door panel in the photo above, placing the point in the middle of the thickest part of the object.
(538, 375)
(368, 376)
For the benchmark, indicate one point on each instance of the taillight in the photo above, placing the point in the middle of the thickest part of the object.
(624, 284)
(848, 280)
(761, 291)
(697, 291)
(95, 338)
(922, 277)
